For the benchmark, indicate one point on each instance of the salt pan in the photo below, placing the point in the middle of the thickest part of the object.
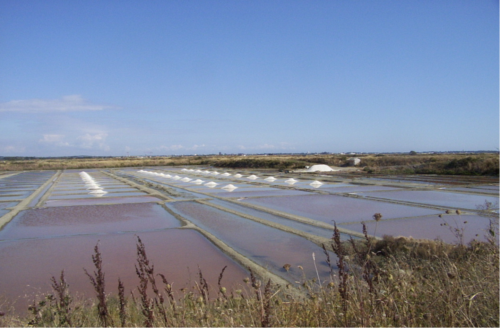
(229, 187)
(316, 184)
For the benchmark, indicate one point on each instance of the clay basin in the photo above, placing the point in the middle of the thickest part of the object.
(28, 265)
(101, 201)
(61, 221)
(269, 247)
(328, 208)
(440, 198)
(474, 227)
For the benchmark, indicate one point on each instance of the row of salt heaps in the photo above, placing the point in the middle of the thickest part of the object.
(92, 185)
(209, 184)
(291, 181)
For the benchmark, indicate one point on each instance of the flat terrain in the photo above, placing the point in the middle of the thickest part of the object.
(198, 217)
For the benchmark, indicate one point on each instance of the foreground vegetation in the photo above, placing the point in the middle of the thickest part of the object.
(389, 282)
(456, 164)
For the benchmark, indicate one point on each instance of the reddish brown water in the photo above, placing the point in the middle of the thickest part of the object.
(56, 221)
(327, 208)
(258, 193)
(441, 198)
(476, 227)
(356, 188)
(89, 195)
(99, 201)
(28, 265)
(271, 248)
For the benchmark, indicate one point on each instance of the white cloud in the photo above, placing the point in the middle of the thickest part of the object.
(56, 139)
(173, 147)
(70, 103)
(12, 149)
(181, 147)
(94, 140)
(281, 146)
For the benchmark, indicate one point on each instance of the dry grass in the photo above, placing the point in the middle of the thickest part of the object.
(391, 282)
(457, 164)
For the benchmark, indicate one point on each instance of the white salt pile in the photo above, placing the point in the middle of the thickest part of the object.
(186, 179)
(237, 175)
(290, 181)
(184, 170)
(98, 192)
(210, 184)
(320, 168)
(215, 173)
(198, 181)
(176, 177)
(270, 179)
(168, 176)
(229, 187)
(316, 184)
(92, 185)
(226, 174)
(198, 171)
(252, 177)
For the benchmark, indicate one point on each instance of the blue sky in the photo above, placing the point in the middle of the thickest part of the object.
(198, 77)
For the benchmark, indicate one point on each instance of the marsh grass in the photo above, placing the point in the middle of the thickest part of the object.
(389, 282)
(455, 164)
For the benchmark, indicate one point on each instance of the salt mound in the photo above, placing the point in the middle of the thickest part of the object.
(210, 184)
(168, 176)
(320, 168)
(184, 169)
(176, 177)
(185, 179)
(198, 171)
(197, 181)
(270, 179)
(253, 177)
(316, 184)
(93, 187)
(291, 181)
(226, 174)
(229, 187)
(237, 175)
(98, 192)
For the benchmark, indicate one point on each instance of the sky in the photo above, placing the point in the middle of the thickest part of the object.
(166, 77)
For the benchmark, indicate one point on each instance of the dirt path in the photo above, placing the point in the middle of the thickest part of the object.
(25, 202)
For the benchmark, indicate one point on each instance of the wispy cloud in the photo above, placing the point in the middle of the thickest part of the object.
(173, 147)
(12, 149)
(281, 146)
(181, 147)
(95, 140)
(71, 103)
(55, 139)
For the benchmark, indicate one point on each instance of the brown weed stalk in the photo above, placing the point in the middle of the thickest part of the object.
(123, 303)
(99, 286)
(63, 305)
(142, 270)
